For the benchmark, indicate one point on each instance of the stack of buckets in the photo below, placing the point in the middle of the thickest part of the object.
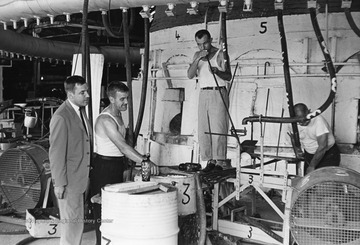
(135, 219)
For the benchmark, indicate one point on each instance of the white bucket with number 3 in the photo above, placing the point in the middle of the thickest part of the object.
(130, 217)
(185, 185)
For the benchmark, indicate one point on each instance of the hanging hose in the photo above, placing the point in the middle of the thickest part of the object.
(89, 81)
(339, 67)
(128, 76)
(287, 77)
(84, 32)
(85, 51)
(105, 21)
(223, 37)
(110, 31)
(351, 21)
(332, 73)
(145, 79)
(201, 208)
(329, 65)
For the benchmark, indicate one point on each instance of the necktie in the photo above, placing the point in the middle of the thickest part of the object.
(82, 118)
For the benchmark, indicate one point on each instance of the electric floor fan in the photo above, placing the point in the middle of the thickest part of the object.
(325, 208)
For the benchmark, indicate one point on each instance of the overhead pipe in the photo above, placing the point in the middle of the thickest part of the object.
(145, 78)
(15, 10)
(36, 47)
(128, 76)
(332, 73)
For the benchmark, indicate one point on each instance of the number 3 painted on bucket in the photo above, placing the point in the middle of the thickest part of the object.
(185, 194)
(53, 228)
(250, 232)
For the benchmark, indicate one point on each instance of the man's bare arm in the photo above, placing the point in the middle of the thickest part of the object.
(320, 152)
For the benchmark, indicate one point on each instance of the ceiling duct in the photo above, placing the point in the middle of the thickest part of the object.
(31, 9)
(36, 47)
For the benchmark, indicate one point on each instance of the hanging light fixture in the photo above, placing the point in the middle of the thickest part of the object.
(51, 18)
(346, 4)
(25, 21)
(170, 9)
(223, 6)
(14, 23)
(247, 6)
(279, 4)
(194, 8)
(67, 16)
(311, 4)
(5, 26)
(37, 19)
(145, 12)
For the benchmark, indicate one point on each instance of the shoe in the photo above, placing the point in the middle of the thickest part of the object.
(209, 166)
(218, 168)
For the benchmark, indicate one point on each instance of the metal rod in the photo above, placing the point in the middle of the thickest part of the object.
(273, 64)
(232, 79)
(280, 128)
(266, 107)
(259, 76)
(225, 105)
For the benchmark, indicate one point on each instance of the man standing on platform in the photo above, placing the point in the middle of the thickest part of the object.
(209, 65)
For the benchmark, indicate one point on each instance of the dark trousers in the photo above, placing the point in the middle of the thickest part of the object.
(105, 170)
(331, 158)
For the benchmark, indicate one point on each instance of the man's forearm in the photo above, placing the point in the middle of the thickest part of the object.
(132, 154)
(193, 68)
(319, 154)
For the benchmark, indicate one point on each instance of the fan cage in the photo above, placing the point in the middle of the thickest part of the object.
(22, 176)
(327, 213)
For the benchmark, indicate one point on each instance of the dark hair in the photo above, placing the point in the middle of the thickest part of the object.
(199, 34)
(302, 107)
(71, 81)
(116, 86)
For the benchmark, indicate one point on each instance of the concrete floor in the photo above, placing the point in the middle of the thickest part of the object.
(17, 239)
(23, 236)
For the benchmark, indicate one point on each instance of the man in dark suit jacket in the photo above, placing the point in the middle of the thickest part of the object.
(70, 153)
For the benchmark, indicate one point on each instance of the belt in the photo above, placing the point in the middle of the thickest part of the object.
(107, 157)
(213, 88)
